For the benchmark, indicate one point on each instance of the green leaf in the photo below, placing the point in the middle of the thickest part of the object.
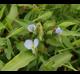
(66, 41)
(32, 14)
(22, 23)
(13, 12)
(44, 16)
(2, 41)
(1, 26)
(53, 41)
(66, 24)
(56, 61)
(49, 24)
(2, 11)
(12, 15)
(1, 64)
(15, 32)
(9, 50)
(19, 61)
(76, 42)
(70, 33)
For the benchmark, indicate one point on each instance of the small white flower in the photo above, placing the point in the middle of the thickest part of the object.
(58, 30)
(31, 28)
(29, 44)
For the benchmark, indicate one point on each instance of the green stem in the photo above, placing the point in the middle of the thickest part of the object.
(37, 57)
(37, 61)
(71, 67)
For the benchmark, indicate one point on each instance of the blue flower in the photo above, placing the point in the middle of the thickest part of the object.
(31, 28)
(58, 30)
(29, 44)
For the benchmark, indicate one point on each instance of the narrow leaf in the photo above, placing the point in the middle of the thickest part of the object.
(44, 16)
(70, 33)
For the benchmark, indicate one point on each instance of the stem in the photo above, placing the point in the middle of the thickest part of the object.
(37, 61)
(34, 50)
(64, 49)
(37, 58)
(71, 67)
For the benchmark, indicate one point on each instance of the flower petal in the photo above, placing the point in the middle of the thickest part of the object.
(36, 42)
(31, 28)
(28, 44)
(58, 30)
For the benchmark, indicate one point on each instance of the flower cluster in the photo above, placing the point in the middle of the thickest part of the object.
(32, 45)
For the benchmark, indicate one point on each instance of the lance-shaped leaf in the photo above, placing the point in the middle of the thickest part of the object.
(2, 11)
(22, 23)
(44, 16)
(15, 32)
(8, 51)
(70, 33)
(19, 61)
(12, 15)
(67, 23)
(56, 61)
(66, 41)
(49, 25)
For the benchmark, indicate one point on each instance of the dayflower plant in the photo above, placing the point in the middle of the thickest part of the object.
(58, 30)
(31, 28)
(31, 45)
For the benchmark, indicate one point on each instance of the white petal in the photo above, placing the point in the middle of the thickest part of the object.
(28, 44)
(58, 30)
(36, 42)
(31, 28)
